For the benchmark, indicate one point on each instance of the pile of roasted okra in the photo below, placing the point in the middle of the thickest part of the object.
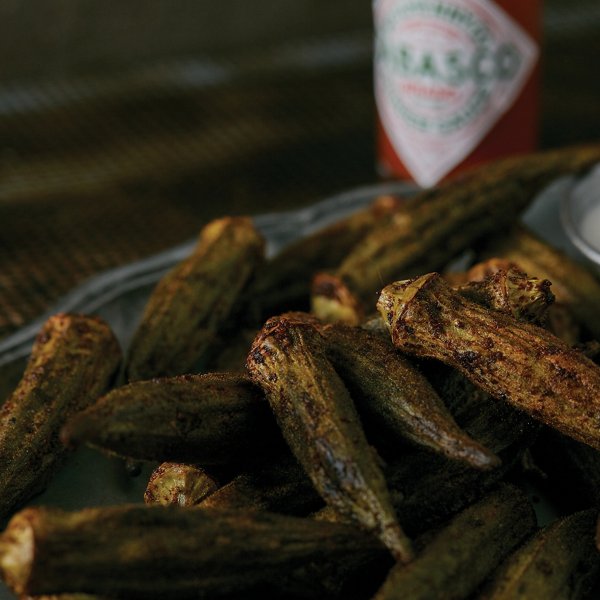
(345, 420)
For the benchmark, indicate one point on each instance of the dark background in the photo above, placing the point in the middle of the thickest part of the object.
(124, 126)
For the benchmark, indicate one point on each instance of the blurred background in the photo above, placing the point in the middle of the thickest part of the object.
(124, 126)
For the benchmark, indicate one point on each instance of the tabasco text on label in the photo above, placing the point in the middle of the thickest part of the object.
(455, 83)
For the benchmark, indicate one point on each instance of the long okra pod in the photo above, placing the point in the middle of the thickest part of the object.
(73, 361)
(319, 422)
(210, 419)
(144, 552)
(397, 397)
(517, 362)
(462, 554)
(436, 225)
(191, 304)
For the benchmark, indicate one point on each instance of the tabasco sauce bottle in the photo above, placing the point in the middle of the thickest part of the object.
(456, 84)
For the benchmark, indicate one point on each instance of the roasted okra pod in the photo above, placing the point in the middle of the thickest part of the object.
(561, 561)
(193, 302)
(459, 558)
(165, 552)
(73, 361)
(320, 424)
(179, 484)
(396, 397)
(210, 419)
(517, 362)
(438, 224)
(573, 284)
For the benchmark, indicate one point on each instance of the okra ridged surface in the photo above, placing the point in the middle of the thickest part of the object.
(319, 421)
(144, 552)
(459, 558)
(397, 397)
(560, 561)
(209, 419)
(192, 303)
(73, 361)
(515, 362)
(438, 224)
(179, 484)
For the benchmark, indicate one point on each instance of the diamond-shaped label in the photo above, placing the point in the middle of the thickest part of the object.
(445, 72)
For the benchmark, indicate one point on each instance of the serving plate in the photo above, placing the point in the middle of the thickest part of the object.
(118, 296)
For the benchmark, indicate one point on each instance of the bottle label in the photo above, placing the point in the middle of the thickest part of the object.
(445, 72)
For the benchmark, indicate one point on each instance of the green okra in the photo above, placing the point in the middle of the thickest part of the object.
(438, 224)
(320, 424)
(397, 397)
(519, 363)
(284, 283)
(194, 301)
(74, 360)
(281, 486)
(212, 419)
(137, 551)
(560, 561)
(459, 558)
(573, 284)
(180, 484)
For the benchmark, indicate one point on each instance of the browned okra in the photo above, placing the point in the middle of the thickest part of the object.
(180, 484)
(320, 424)
(74, 359)
(192, 303)
(572, 283)
(210, 419)
(397, 397)
(561, 561)
(438, 224)
(516, 362)
(511, 291)
(137, 551)
(459, 558)
(280, 486)
(284, 282)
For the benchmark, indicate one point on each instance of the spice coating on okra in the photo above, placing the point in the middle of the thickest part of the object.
(74, 360)
(560, 561)
(141, 552)
(179, 484)
(516, 362)
(210, 419)
(458, 559)
(193, 301)
(397, 397)
(320, 424)
(438, 224)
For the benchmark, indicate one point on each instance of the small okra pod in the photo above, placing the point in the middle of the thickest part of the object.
(194, 301)
(281, 486)
(459, 558)
(511, 291)
(574, 285)
(180, 484)
(144, 552)
(397, 397)
(520, 363)
(560, 561)
(212, 419)
(73, 361)
(319, 421)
